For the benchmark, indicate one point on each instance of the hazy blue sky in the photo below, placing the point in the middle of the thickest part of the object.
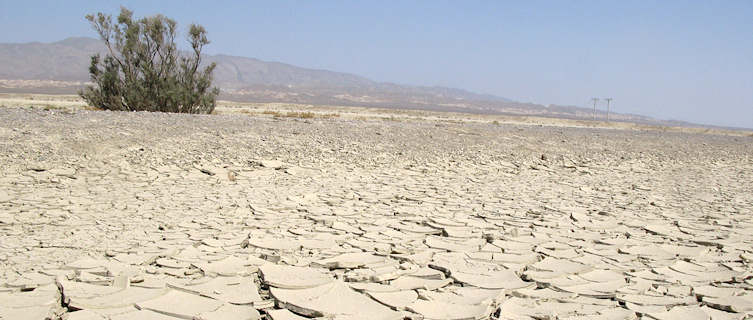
(685, 60)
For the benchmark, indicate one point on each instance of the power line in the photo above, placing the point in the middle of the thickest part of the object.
(608, 102)
(595, 100)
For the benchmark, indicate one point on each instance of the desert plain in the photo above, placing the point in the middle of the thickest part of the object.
(275, 211)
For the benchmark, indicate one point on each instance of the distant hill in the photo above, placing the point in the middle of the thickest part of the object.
(66, 60)
(63, 66)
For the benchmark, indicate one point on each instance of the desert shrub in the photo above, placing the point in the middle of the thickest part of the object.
(302, 115)
(144, 70)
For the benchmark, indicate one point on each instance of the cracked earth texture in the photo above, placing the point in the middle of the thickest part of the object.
(107, 215)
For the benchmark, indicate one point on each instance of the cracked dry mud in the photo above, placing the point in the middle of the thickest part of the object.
(161, 216)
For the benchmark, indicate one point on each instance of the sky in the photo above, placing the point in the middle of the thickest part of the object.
(672, 60)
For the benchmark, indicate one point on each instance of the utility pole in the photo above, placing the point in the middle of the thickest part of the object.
(595, 100)
(608, 101)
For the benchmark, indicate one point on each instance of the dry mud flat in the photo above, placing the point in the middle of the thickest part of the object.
(160, 216)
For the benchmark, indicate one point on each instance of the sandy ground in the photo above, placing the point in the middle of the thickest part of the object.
(367, 214)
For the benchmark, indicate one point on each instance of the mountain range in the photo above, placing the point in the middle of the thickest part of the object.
(62, 67)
